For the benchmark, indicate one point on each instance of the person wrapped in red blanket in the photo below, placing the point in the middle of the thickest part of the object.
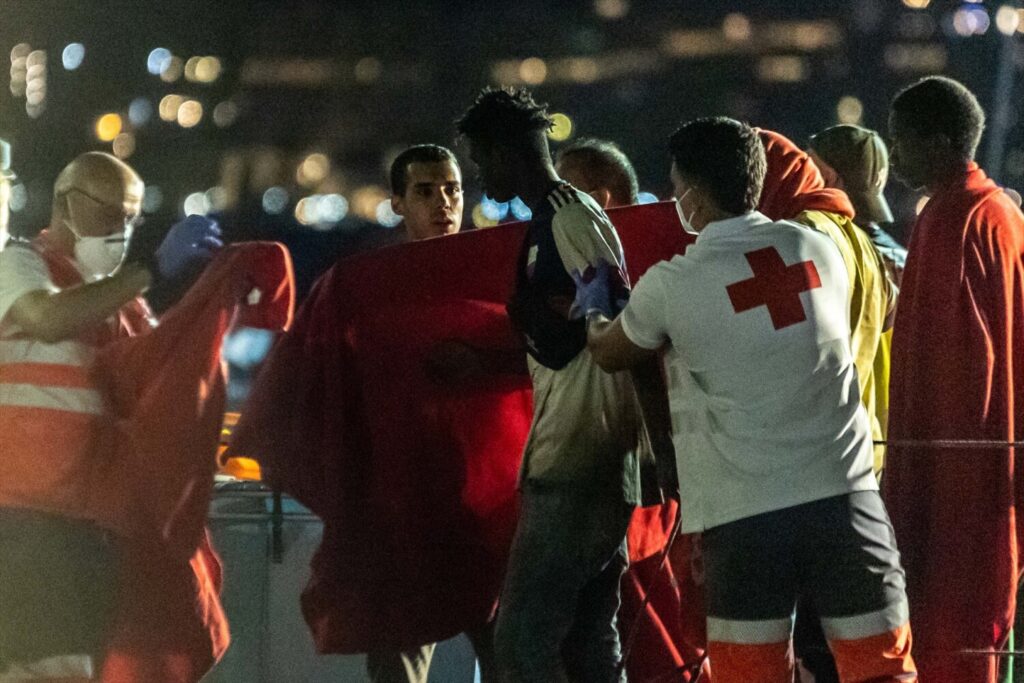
(414, 548)
(957, 374)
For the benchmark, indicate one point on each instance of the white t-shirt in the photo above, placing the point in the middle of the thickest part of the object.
(766, 412)
(22, 270)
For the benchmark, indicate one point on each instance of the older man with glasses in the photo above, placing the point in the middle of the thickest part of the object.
(73, 289)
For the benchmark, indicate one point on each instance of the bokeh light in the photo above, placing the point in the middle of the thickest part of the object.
(736, 27)
(190, 113)
(19, 197)
(1008, 20)
(169, 106)
(275, 200)
(561, 127)
(493, 210)
(124, 145)
(480, 219)
(611, 9)
(917, 4)
(368, 69)
(385, 215)
(646, 198)
(108, 127)
(152, 199)
(520, 210)
(158, 60)
(225, 113)
(332, 208)
(72, 56)
(849, 110)
(196, 204)
(172, 70)
(533, 70)
(313, 169)
(140, 111)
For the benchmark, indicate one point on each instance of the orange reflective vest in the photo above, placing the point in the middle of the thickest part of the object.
(54, 425)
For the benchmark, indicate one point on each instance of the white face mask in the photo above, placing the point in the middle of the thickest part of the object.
(684, 219)
(98, 257)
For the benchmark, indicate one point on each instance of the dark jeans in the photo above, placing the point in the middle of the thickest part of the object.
(556, 618)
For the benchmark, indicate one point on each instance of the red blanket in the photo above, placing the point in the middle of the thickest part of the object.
(415, 481)
(958, 373)
(166, 389)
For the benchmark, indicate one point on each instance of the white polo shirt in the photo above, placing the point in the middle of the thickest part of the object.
(766, 411)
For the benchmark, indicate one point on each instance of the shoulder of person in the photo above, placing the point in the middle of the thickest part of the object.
(573, 208)
(19, 253)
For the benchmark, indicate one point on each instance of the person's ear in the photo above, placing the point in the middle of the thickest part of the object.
(602, 196)
(398, 205)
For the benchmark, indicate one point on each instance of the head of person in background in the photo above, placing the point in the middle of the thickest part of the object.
(601, 169)
(855, 160)
(935, 126)
(507, 134)
(97, 203)
(718, 169)
(426, 191)
(6, 176)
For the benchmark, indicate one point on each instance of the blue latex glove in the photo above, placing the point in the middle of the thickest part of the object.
(593, 291)
(188, 243)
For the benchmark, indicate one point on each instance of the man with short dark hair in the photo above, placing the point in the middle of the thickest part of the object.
(601, 169)
(772, 443)
(957, 374)
(426, 191)
(579, 477)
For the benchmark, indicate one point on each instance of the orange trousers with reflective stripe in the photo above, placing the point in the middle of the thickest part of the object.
(883, 658)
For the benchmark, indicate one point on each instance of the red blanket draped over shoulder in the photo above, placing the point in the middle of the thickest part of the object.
(415, 481)
(958, 373)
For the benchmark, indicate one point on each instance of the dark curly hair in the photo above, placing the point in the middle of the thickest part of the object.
(726, 157)
(502, 114)
(936, 105)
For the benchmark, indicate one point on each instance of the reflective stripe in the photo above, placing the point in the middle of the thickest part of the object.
(763, 632)
(88, 401)
(62, 666)
(884, 620)
(67, 352)
(45, 374)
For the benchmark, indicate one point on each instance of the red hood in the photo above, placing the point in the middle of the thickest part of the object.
(794, 184)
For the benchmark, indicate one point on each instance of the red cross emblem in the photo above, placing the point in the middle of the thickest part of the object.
(776, 286)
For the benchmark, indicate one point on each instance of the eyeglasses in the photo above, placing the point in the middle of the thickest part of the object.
(131, 222)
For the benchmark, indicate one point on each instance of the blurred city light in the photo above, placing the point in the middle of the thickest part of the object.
(108, 127)
(1008, 20)
(917, 4)
(275, 200)
(480, 218)
(368, 70)
(849, 110)
(911, 57)
(970, 21)
(225, 113)
(190, 113)
(561, 127)
(208, 69)
(364, 201)
(520, 210)
(169, 106)
(611, 9)
(152, 199)
(172, 70)
(305, 211)
(313, 169)
(72, 56)
(782, 69)
(124, 145)
(332, 208)
(19, 68)
(196, 204)
(19, 197)
(533, 71)
(493, 210)
(218, 198)
(35, 82)
(140, 111)
(385, 215)
(646, 198)
(736, 27)
(158, 60)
